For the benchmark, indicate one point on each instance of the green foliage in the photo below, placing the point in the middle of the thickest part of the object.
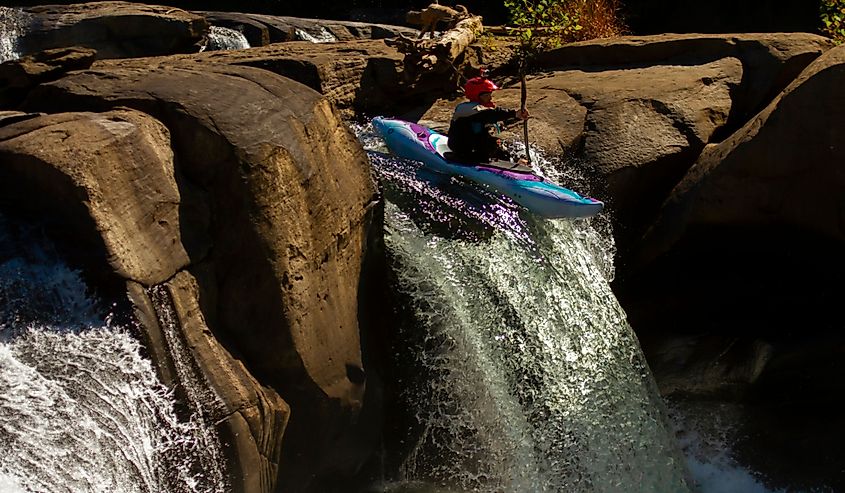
(547, 24)
(833, 19)
(542, 23)
(488, 42)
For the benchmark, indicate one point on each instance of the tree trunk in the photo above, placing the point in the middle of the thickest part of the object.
(438, 56)
(455, 41)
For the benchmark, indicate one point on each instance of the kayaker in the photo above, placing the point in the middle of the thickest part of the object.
(475, 124)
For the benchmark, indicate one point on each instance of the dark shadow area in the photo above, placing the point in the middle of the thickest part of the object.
(793, 428)
(752, 315)
(299, 70)
(33, 194)
(743, 279)
(721, 16)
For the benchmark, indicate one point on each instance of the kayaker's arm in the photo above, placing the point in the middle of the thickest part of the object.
(493, 115)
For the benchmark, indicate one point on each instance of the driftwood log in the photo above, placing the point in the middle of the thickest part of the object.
(429, 17)
(439, 55)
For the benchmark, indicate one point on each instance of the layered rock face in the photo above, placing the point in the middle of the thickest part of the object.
(766, 203)
(113, 29)
(243, 195)
(796, 176)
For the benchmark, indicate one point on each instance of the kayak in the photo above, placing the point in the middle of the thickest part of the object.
(413, 141)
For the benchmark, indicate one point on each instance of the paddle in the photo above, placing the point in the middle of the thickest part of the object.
(524, 91)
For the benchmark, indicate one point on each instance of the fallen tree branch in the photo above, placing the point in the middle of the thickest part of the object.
(455, 41)
(429, 17)
(436, 55)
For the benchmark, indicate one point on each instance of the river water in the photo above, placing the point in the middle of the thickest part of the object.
(81, 407)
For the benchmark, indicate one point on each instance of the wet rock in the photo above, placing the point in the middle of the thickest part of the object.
(250, 418)
(274, 208)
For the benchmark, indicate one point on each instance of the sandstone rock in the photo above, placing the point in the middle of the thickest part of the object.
(250, 418)
(110, 172)
(9, 117)
(358, 76)
(276, 201)
(770, 61)
(114, 29)
(780, 168)
(19, 76)
(645, 126)
(747, 248)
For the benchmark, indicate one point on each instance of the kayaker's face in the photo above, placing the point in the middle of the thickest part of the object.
(485, 98)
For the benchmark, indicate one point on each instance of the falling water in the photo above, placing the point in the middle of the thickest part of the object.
(81, 410)
(533, 380)
(12, 24)
(223, 38)
(320, 36)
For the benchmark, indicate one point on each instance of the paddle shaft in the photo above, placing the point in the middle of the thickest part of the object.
(524, 91)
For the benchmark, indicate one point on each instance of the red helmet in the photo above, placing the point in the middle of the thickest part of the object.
(477, 85)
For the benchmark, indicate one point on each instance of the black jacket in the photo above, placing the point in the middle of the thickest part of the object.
(469, 132)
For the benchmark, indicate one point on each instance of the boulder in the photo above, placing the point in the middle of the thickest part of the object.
(781, 168)
(114, 29)
(276, 205)
(107, 174)
(770, 61)
(105, 182)
(645, 126)
(745, 256)
(357, 76)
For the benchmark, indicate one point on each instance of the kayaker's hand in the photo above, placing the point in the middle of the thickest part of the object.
(522, 114)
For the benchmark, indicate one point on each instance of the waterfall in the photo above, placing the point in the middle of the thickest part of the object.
(320, 36)
(223, 38)
(81, 408)
(532, 379)
(12, 24)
